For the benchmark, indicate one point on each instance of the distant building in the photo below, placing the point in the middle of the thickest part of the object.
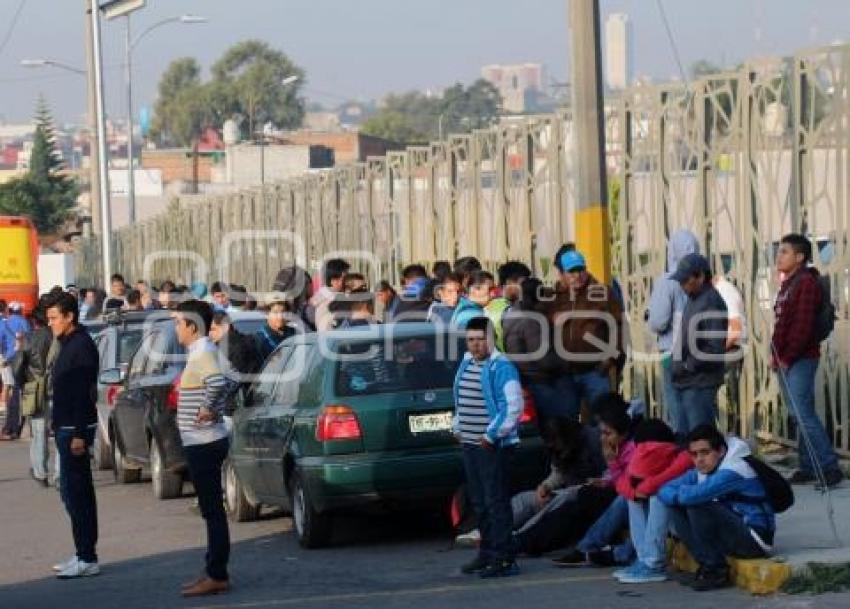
(322, 121)
(619, 54)
(520, 85)
(347, 146)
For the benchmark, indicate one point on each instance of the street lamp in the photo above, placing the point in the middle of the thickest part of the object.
(52, 63)
(289, 80)
(129, 45)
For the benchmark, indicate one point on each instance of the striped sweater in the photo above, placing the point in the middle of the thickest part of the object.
(201, 385)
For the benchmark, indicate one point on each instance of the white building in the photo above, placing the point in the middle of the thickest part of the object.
(519, 84)
(619, 52)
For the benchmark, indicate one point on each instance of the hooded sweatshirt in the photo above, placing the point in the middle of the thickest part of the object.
(668, 299)
(734, 484)
(653, 465)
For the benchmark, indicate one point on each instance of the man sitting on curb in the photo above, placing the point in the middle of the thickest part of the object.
(719, 509)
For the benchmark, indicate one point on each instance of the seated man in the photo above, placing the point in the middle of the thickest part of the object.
(720, 508)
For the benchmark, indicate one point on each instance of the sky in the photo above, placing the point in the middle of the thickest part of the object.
(364, 49)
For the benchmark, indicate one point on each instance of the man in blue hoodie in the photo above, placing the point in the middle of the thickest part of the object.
(14, 332)
(666, 305)
(719, 509)
(488, 399)
(474, 304)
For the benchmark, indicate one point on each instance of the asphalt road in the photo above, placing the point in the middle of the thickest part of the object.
(148, 548)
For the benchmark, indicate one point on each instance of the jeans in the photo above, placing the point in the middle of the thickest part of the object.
(798, 385)
(205, 461)
(77, 492)
(487, 479)
(698, 406)
(613, 522)
(648, 525)
(711, 532)
(676, 417)
(39, 453)
(12, 426)
(582, 386)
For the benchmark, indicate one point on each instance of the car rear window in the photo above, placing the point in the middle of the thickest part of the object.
(248, 327)
(401, 364)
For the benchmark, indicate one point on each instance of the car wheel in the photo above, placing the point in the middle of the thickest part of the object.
(102, 452)
(123, 475)
(238, 506)
(312, 528)
(166, 484)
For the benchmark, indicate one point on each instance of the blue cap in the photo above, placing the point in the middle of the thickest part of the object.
(689, 266)
(571, 261)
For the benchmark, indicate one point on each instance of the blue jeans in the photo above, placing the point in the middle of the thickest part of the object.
(698, 406)
(12, 426)
(488, 484)
(711, 532)
(672, 404)
(582, 386)
(39, 452)
(648, 525)
(798, 383)
(614, 521)
(77, 492)
(204, 462)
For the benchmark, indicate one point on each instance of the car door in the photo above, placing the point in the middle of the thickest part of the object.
(246, 449)
(129, 412)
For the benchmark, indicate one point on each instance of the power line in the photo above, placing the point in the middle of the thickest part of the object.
(672, 41)
(12, 26)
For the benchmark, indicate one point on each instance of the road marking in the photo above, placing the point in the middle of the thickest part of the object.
(513, 582)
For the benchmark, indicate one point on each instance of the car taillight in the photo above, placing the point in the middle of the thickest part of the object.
(529, 411)
(172, 400)
(337, 422)
(111, 394)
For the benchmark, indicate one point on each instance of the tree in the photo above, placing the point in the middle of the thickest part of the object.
(43, 194)
(473, 107)
(176, 120)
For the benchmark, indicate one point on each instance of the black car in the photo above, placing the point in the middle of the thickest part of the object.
(142, 425)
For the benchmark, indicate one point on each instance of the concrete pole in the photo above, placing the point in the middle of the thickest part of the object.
(588, 114)
(94, 169)
(131, 178)
(102, 150)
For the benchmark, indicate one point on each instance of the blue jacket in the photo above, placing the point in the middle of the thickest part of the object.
(502, 394)
(11, 326)
(668, 299)
(465, 311)
(734, 484)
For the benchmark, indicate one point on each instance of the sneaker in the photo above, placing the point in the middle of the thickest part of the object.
(79, 568)
(573, 559)
(833, 478)
(624, 571)
(61, 566)
(469, 540)
(602, 558)
(711, 580)
(500, 568)
(801, 477)
(475, 566)
(641, 574)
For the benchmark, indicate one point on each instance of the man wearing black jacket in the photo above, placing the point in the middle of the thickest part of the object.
(74, 419)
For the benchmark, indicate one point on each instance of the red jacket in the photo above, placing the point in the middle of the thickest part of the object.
(796, 307)
(654, 464)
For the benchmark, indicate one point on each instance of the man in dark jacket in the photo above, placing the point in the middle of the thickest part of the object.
(698, 365)
(74, 419)
(275, 330)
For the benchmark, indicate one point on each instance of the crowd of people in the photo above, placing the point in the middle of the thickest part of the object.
(619, 483)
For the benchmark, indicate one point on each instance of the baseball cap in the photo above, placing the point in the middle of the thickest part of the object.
(691, 265)
(571, 261)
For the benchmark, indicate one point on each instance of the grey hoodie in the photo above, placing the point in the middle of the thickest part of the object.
(668, 300)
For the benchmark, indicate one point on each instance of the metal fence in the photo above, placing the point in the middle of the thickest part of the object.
(740, 158)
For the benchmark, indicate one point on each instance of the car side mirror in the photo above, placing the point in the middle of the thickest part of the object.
(112, 376)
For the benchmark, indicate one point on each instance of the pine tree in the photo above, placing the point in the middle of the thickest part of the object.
(43, 194)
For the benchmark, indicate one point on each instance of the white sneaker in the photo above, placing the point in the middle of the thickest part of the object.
(79, 568)
(469, 540)
(61, 566)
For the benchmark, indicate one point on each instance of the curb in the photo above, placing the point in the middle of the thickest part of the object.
(759, 576)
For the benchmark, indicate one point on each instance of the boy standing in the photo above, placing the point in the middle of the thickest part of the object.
(488, 400)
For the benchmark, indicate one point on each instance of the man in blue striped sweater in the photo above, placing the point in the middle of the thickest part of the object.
(488, 402)
(200, 410)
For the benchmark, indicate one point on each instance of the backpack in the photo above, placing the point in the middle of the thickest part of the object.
(780, 495)
(826, 316)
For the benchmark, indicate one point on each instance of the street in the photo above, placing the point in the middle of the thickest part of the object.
(148, 548)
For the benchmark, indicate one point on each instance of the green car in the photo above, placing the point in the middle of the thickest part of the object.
(354, 419)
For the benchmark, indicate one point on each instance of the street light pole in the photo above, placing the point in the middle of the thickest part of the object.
(131, 178)
(102, 150)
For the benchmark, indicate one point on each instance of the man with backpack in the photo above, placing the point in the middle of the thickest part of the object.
(804, 317)
(723, 507)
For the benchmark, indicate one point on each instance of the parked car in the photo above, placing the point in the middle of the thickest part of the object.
(320, 433)
(116, 341)
(142, 424)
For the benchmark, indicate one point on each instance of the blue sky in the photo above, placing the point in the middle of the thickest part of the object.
(366, 48)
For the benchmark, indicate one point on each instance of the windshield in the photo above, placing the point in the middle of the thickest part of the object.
(128, 340)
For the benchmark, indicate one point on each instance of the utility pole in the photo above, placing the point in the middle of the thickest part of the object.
(588, 115)
(102, 150)
(94, 176)
(131, 179)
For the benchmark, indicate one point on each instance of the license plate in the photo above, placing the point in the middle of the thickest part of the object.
(425, 423)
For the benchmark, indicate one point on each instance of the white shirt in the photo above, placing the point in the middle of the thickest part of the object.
(734, 303)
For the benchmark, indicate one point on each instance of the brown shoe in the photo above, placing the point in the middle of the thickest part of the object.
(194, 582)
(206, 587)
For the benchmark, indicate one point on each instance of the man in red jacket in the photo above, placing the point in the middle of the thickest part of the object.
(796, 351)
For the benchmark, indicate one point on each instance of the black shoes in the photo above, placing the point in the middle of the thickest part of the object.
(572, 559)
(476, 565)
(801, 477)
(710, 579)
(500, 568)
(832, 478)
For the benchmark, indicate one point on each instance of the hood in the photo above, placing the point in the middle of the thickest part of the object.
(416, 288)
(465, 304)
(682, 242)
(736, 450)
(652, 458)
